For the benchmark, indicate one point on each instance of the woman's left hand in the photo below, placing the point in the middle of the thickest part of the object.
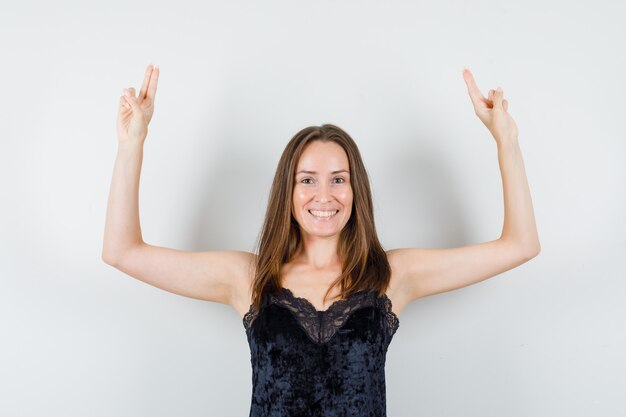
(492, 111)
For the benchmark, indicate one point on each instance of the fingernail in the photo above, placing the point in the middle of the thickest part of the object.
(499, 88)
(126, 93)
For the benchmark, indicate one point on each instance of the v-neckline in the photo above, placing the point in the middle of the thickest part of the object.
(310, 304)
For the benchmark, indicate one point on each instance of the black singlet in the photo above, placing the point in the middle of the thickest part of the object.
(314, 363)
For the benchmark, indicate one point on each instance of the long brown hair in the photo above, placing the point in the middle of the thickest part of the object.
(364, 262)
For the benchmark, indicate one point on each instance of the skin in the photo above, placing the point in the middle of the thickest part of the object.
(224, 276)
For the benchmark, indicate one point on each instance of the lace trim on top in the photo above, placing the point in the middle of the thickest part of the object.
(321, 326)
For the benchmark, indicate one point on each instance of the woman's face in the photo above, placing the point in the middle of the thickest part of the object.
(322, 185)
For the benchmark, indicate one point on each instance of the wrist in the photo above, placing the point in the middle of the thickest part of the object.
(130, 150)
(125, 146)
(507, 141)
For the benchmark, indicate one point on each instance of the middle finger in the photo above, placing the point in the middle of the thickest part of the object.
(154, 80)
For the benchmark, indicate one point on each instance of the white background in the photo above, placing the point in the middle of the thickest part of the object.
(238, 80)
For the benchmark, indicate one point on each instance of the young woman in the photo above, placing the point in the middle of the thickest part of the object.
(320, 299)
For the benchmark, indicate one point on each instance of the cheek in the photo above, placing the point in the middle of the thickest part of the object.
(299, 195)
(346, 196)
(300, 198)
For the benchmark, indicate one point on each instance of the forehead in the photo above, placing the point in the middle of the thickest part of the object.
(323, 156)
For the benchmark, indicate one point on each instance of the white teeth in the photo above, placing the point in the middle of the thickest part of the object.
(323, 213)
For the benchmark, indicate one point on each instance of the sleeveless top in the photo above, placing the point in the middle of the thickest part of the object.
(312, 363)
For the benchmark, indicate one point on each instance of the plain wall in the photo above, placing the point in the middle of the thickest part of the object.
(238, 80)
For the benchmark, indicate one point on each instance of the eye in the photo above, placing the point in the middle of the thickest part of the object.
(310, 179)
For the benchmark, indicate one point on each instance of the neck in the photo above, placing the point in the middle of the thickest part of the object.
(319, 252)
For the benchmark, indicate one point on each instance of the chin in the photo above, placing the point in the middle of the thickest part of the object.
(320, 233)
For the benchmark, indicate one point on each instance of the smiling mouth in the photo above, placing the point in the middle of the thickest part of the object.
(324, 217)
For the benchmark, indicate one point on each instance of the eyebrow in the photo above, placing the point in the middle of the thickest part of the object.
(314, 172)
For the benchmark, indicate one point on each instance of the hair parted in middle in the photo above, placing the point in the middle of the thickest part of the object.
(364, 261)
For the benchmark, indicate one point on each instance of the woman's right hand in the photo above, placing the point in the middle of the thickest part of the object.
(135, 112)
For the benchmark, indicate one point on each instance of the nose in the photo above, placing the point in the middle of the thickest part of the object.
(323, 192)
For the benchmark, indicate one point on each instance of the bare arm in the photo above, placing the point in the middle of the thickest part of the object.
(519, 217)
(422, 272)
(220, 276)
(122, 231)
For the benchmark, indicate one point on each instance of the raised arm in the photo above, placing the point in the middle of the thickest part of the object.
(220, 276)
(519, 217)
(122, 231)
(421, 272)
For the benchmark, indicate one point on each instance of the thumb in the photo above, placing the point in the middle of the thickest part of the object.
(130, 98)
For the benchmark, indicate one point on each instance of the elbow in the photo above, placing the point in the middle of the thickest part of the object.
(108, 259)
(116, 255)
(532, 251)
(525, 249)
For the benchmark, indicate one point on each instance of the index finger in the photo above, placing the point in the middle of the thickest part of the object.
(149, 83)
(472, 88)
